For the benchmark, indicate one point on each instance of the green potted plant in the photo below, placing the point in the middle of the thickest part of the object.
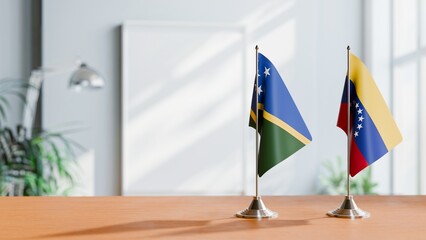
(40, 164)
(333, 181)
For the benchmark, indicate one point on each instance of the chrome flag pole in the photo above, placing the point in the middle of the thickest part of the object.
(257, 208)
(348, 209)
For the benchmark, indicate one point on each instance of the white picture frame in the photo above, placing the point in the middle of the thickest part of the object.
(184, 110)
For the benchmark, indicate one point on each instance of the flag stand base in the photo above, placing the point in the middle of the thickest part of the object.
(349, 209)
(257, 209)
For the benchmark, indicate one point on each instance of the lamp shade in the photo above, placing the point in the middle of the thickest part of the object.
(86, 77)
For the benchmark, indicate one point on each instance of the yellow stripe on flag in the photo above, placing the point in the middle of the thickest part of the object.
(253, 114)
(370, 97)
(285, 127)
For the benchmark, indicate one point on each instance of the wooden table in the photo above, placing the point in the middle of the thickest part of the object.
(300, 217)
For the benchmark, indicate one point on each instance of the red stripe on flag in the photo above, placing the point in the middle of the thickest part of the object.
(358, 161)
(342, 120)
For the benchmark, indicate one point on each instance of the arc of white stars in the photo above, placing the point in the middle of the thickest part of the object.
(360, 119)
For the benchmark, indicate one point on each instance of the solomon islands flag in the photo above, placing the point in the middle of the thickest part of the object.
(373, 131)
(281, 126)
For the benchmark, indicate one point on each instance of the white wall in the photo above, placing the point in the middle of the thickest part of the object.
(15, 47)
(305, 39)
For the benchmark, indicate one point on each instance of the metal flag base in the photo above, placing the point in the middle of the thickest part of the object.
(349, 209)
(257, 209)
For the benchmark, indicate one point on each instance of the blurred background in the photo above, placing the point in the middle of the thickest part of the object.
(172, 118)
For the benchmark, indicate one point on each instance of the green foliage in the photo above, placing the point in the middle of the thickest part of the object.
(334, 181)
(35, 166)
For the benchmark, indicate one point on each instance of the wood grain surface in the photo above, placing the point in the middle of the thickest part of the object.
(300, 217)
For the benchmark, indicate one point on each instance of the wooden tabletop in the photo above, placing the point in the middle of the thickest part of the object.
(300, 217)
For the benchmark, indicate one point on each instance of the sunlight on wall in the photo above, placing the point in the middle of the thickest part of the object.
(405, 114)
(265, 13)
(405, 33)
(204, 52)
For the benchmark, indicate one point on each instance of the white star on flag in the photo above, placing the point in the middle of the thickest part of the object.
(266, 72)
(360, 119)
(259, 90)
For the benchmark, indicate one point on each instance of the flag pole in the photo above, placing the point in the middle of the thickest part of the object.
(348, 88)
(348, 209)
(257, 122)
(257, 208)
